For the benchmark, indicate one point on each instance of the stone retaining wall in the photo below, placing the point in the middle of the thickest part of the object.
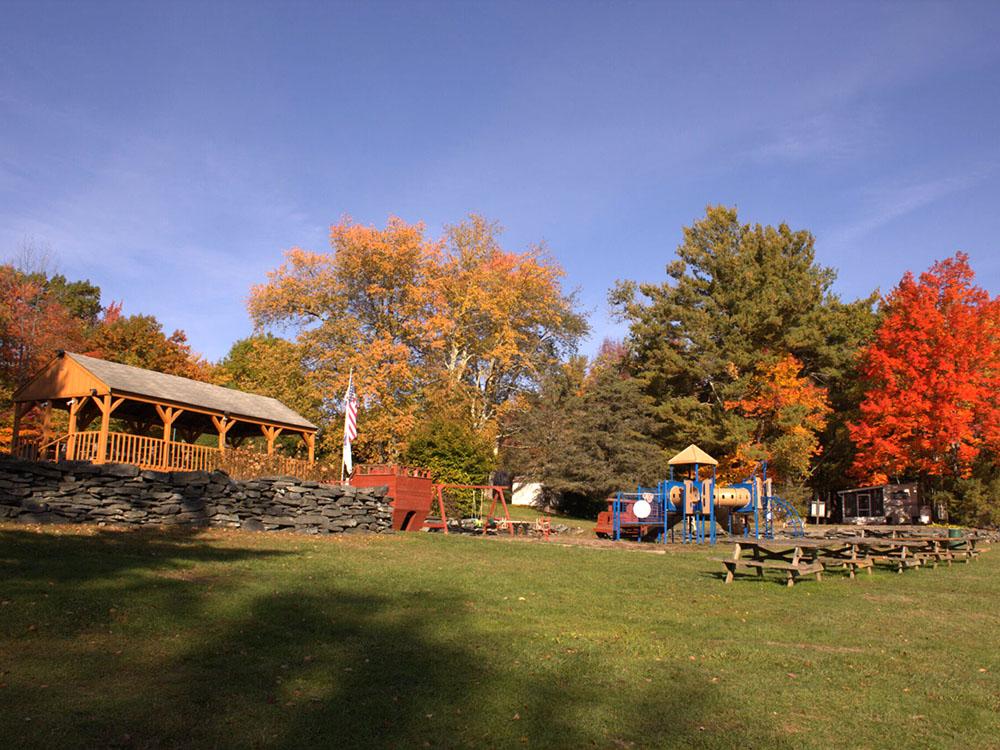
(81, 492)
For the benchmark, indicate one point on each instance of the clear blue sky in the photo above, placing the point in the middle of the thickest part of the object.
(171, 151)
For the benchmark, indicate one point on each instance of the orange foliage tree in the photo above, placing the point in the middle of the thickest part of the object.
(139, 340)
(457, 326)
(33, 324)
(364, 307)
(40, 314)
(501, 319)
(787, 413)
(932, 405)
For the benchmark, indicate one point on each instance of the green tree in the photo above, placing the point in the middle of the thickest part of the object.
(737, 296)
(588, 432)
(455, 454)
(81, 298)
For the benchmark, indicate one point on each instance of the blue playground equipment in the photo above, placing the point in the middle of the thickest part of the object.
(698, 505)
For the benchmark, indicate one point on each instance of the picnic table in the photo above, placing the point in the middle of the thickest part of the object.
(800, 557)
(788, 557)
(901, 554)
(948, 548)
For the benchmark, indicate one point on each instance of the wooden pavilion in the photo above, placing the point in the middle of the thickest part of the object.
(163, 416)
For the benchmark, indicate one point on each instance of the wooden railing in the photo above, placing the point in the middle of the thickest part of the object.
(241, 463)
(82, 446)
(53, 449)
(193, 457)
(142, 451)
(149, 453)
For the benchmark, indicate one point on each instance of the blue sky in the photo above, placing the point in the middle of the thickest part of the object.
(170, 152)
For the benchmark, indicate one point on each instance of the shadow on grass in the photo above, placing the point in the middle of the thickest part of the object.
(94, 570)
(336, 664)
(98, 552)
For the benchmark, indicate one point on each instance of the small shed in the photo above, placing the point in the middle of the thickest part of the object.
(885, 503)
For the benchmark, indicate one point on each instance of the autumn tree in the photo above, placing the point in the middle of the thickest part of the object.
(364, 308)
(786, 414)
(932, 406)
(737, 296)
(276, 367)
(458, 323)
(139, 341)
(503, 319)
(33, 325)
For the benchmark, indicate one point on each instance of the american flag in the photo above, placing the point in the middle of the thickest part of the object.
(350, 422)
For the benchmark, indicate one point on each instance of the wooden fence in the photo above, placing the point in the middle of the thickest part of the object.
(153, 453)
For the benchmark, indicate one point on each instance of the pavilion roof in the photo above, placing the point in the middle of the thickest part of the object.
(125, 379)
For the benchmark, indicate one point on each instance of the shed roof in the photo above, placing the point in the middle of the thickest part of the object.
(125, 379)
(692, 455)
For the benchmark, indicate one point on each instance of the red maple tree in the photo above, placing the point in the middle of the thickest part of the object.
(933, 372)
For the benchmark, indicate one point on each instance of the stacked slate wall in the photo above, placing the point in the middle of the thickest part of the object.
(81, 492)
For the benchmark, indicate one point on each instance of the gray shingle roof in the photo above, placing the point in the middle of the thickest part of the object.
(135, 380)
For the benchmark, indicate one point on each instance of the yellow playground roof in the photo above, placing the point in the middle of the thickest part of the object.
(692, 455)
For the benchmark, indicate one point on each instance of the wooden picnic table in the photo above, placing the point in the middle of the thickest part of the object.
(788, 557)
(900, 554)
(804, 556)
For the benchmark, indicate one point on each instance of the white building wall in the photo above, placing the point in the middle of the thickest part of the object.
(525, 493)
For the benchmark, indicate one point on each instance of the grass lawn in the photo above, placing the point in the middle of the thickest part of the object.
(148, 639)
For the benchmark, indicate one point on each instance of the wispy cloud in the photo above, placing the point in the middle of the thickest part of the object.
(824, 136)
(887, 203)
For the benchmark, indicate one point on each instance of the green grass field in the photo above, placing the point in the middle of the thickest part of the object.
(150, 640)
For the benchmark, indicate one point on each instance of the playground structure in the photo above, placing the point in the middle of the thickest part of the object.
(698, 505)
(413, 492)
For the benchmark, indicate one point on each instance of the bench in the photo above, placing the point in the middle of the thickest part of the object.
(900, 563)
(852, 564)
(793, 570)
(934, 558)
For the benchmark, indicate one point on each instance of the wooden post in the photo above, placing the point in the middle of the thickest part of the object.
(310, 438)
(107, 407)
(168, 415)
(104, 404)
(270, 433)
(47, 423)
(16, 432)
(222, 425)
(75, 404)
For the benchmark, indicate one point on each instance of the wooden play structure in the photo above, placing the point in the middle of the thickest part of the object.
(698, 505)
(160, 418)
(411, 490)
(413, 493)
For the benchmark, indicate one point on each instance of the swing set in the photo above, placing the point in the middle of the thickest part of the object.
(496, 495)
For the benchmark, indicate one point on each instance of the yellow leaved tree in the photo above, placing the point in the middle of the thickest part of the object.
(456, 327)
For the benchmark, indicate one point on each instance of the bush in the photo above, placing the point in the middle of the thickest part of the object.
(455, 455)
(972, 502)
